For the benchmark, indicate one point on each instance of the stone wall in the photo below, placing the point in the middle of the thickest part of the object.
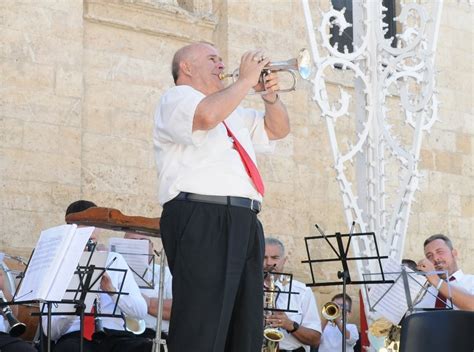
(80, 81)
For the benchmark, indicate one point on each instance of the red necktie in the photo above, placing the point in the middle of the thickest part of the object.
(89, 325)
(250, 166)
(440, 299)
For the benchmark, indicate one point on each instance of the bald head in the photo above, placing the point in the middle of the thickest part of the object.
(186, 53)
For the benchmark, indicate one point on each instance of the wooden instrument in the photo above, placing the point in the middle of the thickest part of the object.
(113, 219)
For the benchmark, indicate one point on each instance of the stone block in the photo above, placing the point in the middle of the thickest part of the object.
(464, 143)
(448, 162)
(68, 83)
(11, 132)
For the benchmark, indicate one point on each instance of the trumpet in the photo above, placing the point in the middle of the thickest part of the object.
(17, 328)
(272, 336)
(301, 64)
(331, 311)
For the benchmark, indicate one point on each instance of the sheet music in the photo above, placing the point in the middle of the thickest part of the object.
(68, 266)
(135, 253)
(73, 289)
(45, 262)
(389, 300)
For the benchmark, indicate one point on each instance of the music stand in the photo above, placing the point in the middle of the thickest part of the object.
(341, 255)
(405, 283)
(88, 276)
(285, 279)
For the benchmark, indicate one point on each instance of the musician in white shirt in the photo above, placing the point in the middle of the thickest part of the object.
(331, 340)
(65, 329)
(440, 255)
(301, 329)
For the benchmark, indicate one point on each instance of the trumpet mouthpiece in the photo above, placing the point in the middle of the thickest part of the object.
(223, 75)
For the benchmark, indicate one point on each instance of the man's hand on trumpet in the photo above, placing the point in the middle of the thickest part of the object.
(251, 66)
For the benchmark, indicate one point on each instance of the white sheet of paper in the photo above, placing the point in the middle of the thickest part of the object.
(46, 260)
(66, 270)
(393, 305)
(135, 253)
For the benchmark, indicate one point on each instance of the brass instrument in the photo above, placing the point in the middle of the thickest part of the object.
(272, 336)
(136, 326)
(384, 335)
(17, 328)
(300, 64)
(331, 311)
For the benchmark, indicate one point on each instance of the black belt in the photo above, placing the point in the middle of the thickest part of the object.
(251, 204)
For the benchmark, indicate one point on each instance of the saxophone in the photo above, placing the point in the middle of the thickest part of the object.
(272, 336)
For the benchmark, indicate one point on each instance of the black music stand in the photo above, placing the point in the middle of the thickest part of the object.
(341, 255)
(285, 279)
(87, 281)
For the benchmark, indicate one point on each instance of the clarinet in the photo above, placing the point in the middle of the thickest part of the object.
(17, 328)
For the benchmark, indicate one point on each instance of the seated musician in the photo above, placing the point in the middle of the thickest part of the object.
(7, 342)
(301, 330)
(331, 340)
(151, 295)
(441, 255)
(65, 330)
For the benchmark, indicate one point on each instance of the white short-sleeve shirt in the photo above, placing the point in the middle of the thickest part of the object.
(307, 312)
(331, 339)
(204, 162)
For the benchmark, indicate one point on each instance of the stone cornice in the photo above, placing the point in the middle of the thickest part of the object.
(158, 19)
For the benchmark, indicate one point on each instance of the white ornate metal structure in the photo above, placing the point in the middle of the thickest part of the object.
(386, 149)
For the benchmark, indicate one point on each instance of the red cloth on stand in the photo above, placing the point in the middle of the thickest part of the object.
(89, 325)
(364, 326)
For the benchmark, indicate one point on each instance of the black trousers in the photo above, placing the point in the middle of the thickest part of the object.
(14, 344)
(113, 341)
(215, 253)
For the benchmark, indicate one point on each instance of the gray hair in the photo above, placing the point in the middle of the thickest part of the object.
(271, 241)
(439, 236)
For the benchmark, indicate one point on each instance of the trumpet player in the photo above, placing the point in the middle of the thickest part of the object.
(7, 342)
(440, 255)
(301, 330)
(211, 192)
(331, 340)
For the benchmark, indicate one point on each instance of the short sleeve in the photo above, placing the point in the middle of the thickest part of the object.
(175, 114)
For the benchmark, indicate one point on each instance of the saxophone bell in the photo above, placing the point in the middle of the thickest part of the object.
(272, 336)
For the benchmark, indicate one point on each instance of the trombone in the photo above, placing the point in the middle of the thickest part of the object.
(301, 65)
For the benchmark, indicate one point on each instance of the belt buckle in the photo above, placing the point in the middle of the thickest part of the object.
(257, 204)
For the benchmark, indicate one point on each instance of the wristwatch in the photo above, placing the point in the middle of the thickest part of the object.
(296, 326)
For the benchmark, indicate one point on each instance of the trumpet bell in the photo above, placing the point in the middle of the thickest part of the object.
(304, 63)
(331, 311)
